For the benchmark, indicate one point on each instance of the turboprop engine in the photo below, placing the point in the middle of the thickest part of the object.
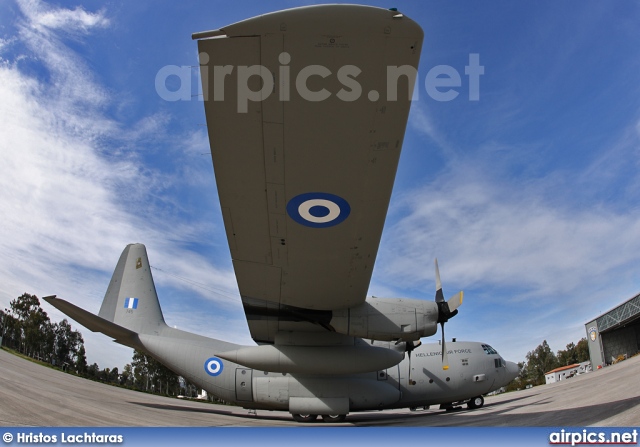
(397, 319)
(388, 319)
(394, 327)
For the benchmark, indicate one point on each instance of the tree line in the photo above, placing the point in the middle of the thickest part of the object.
(542, 360)
(27, 328)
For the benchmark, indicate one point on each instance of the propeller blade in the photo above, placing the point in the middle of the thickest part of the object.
(439, 294)
(446, 310)
(455, 301)
(445, 356)
(410, 381)
(410, 346)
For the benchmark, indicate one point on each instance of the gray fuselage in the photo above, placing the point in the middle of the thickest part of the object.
(474, 369)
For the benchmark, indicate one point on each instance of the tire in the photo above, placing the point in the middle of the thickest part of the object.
(334, 417)
(476, 402)
(304, 417)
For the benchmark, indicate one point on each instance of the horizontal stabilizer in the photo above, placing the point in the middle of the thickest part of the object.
(94, 322)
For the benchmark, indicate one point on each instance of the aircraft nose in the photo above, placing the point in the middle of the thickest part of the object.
(512, 370)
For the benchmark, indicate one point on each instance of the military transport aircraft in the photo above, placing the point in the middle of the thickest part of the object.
(306, 110)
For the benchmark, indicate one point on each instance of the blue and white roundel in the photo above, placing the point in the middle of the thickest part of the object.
(318, 209)
(213, 366)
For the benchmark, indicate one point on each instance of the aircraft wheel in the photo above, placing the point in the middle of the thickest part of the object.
(304, 417)
(334, 417)
(476, 402)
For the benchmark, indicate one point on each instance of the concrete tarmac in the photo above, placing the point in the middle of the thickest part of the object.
(33, 395)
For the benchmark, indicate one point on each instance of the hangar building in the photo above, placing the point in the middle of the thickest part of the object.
(614, 333)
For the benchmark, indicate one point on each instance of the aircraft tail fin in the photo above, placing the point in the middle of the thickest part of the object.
(130, 308)
(131, 300)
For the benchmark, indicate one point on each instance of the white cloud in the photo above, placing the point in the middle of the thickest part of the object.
(537, 255)
(44, 16)
(68, 205)
(492, 233)
(4, 43)
(420, 119)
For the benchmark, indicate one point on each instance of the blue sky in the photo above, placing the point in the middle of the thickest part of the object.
(528, 196)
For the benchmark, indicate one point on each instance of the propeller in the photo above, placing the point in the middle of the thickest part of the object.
(446, 310)
(410, 346)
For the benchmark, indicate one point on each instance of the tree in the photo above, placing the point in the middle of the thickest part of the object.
(93, 370)
(114, 376)
(103, 375)
(151, 374)
(10, 329)
(542, 360)
(568, 356)
(67, 343)
(140, 366)
(3, 323)
(81, 361)
(46, 345)
(582, 351)
(574, 353)
(126, 378)
(37, 336)
(539, 361)
(188, 389)
(32, 323)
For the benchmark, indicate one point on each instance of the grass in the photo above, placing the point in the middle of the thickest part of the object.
(31, 359)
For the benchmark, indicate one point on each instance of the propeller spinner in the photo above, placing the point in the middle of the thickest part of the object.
(446, 310)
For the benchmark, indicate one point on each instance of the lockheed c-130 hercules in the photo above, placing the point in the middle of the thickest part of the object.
(304, 177)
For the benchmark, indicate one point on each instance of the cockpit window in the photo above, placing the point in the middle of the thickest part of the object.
(489, 350)
(500, 363)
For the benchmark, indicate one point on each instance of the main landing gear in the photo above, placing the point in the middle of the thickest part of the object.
(334, 418)
(475, 402)
(472, 404)
(304, 417)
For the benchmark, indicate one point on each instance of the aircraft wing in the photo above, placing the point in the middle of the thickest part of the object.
(306, 112)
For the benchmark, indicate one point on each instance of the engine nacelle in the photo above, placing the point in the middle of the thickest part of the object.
(388, 319)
